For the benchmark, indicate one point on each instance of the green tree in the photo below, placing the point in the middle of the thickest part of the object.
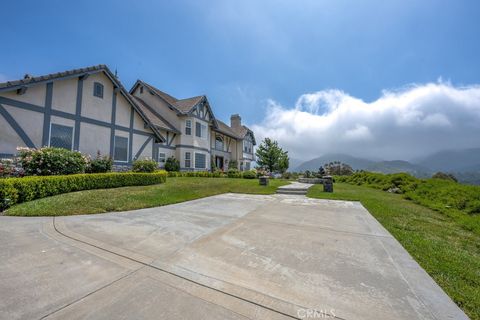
(271, 157)
(172, 164)
(337, 168)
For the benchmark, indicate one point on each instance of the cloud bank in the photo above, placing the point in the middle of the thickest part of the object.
(402, 124)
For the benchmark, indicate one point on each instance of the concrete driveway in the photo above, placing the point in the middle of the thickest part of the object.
(225, 257)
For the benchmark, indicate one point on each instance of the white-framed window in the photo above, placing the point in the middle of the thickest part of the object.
(98, 89)
(61, 136)
(188, 127)
(188, 159)
(218, 143)
(120, 149)
(161, 157)
(200, 130)
(200, 160)
(247, 145)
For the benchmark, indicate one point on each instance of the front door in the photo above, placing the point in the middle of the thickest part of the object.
(219, 162)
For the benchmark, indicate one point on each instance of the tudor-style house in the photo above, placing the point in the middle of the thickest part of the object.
(89, 110)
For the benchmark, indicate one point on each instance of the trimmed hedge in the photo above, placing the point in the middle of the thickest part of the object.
(18, 190)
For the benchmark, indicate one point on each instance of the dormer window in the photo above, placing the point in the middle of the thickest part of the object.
(98, 90)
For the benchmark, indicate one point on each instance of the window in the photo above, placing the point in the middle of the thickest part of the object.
(188, 127)
(200, 130)
(121, 149)
(98, 89)
(161, 157)
(141, 90)
(247, 166)
(247, 146)
(219, 143)
(200, 161)
(187, 160)
(61, 136)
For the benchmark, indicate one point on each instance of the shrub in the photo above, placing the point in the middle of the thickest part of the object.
(100, 164)
(18, 190)
(232, 164)
(234, 173)
(9, 168)
(145, 165)
(444, 176)
(51, 161)
(250, 174)
(172, 164)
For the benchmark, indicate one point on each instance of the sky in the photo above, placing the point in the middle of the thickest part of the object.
(385, 79)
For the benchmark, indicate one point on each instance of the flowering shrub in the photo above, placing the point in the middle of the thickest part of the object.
(250, 174)
(146, 165)
(9, 168)
(100, 164)
(51, 161)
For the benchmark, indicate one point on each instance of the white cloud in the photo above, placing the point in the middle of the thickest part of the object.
(403, 124)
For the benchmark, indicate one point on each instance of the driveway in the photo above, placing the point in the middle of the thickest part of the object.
(230, 256)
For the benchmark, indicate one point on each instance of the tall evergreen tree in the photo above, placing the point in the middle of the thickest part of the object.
(271, 157)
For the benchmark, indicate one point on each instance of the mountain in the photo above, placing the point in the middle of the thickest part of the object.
(467, 160)
(314, 164)
(396, 166)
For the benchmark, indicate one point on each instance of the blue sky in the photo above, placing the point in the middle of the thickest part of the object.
(244, 54)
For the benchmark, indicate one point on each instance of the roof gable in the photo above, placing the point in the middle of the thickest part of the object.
(33, 81)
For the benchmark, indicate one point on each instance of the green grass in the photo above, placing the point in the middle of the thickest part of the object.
(438, 242)
(128, 198)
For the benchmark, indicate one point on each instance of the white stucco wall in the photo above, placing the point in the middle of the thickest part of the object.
(94, 138)
(64, 95)
(95, 107)
(34, 95)
(122, 113)
(31, 122)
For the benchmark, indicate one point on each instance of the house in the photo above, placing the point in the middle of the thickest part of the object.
(89, 110)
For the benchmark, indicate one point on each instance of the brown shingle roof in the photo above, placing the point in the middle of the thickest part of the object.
(224, 128)
(185, 105)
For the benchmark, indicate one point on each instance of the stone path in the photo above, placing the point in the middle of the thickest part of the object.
(294, 188)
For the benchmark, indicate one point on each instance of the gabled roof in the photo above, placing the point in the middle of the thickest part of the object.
(186, 105)
(225, 129)
(243, 131)
(154, 116)
(31, 81)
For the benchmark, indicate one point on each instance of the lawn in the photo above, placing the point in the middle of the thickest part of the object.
(128, 198)
(446, 250)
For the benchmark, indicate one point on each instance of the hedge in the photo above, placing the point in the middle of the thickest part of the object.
(18, 190)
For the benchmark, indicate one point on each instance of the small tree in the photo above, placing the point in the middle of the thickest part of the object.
(172, 164)
(271, 156)
(338, 168)
(321, 172)
(444, 176)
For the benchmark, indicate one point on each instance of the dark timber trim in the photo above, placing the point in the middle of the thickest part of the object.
(112, 121)
(14, 124)
(47, 114)
(78, 113)
(142, 148)
(130, 140)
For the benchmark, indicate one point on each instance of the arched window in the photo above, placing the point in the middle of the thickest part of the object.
(218, 143)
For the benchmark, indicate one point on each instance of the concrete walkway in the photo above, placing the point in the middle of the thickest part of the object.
(230, 256)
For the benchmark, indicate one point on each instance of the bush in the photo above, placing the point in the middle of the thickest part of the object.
(232, 164)
(172, 164)
(18, 190)
(51, 161)
(444, 176)
(145, 165)
(250, 174)
(9, 168)
(234, 173)
(100, 164)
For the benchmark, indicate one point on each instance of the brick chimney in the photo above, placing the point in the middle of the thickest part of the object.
(235, 121)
